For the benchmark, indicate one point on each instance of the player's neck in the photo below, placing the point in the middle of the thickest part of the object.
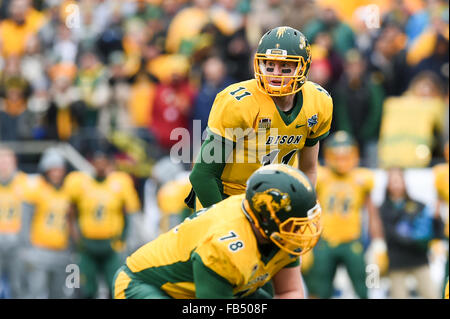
(284, 103)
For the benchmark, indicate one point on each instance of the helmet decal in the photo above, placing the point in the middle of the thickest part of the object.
(274, 200)
(281, 31)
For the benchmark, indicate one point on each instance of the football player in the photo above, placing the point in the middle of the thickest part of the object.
(47, 243)
(263, 121)
(441, 183)
(105, 205)
(12, 190)
(233, 248)
(344, 190)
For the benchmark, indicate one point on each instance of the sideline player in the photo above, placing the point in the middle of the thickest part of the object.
(104, 209)
(343, 190)
(46, 251)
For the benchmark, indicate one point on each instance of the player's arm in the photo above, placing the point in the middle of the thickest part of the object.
(377, 251)
(308, 161)
(375, 224)
(74, 228)
(287, 283)
(208, 284)
(319, 131)
(207, 171)
(28, 210)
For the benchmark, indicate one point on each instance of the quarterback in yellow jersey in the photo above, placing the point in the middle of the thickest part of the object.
(105, 206)
(441, 184)
(233, 248)
(343, 189)
(46, 251)
(12, 191)
(263, 121)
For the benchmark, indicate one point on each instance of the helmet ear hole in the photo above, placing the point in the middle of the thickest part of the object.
(257, 185)
(293, 188)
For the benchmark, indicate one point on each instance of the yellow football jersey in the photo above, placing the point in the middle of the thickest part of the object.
(170, 198)
(49, 227)
(441, 183)
(11, 200)
(101, 205)
(264, 135)
(342, 199)
(223, 237)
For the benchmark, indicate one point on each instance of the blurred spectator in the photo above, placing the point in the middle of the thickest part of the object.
(409, 227)
(95, 92)
(23, 22)
(226, 16)
(387, 60)
(64, 114)
(432, 56)
(174, 98)
(321, 71)
(410, 124)
(298, 13)
(328, 21)
(358, 102)
(15, 120)
(33, 65)
(421, 19)
(186, 25)
(325, 53)
(215, 79)
(64, 48)
(236, 56)
(264, 16)
(114, 115)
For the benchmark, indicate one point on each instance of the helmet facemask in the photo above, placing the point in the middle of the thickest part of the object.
(298, 235)
(290, 84)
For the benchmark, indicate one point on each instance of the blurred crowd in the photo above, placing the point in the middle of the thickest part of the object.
(122, 75)
(79, 71)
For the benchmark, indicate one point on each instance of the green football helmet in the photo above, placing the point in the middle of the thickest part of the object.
(281, 203)
(341, 152)
(282, 44)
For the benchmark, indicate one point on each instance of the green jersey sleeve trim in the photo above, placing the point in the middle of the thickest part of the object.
(208, 284)
(313, 141)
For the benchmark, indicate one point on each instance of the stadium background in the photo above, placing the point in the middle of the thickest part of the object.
(121, 75)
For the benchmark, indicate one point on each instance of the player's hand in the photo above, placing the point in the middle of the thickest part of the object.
(118, 245)
(377, 254)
